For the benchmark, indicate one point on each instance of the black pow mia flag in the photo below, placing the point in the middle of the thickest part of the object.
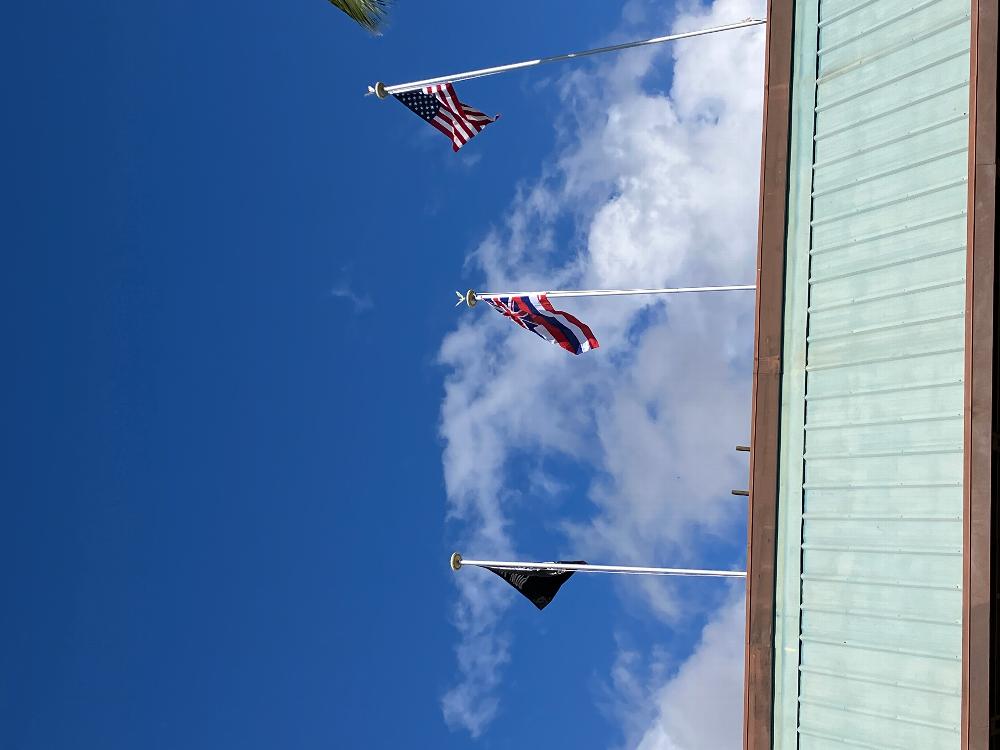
(538, 586)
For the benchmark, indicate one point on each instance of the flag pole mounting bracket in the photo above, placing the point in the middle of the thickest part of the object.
(470, 300)
(380, 91)
(456, 561)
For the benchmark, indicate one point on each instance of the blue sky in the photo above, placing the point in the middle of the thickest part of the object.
(245, 427)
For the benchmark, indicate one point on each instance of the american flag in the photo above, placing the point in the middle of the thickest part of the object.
(536, 314)
(439, 106)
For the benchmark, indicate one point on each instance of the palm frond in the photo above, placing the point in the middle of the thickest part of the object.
(367, 13)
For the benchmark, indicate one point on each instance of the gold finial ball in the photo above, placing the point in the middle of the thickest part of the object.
(380, 91)
(470, 298)
(456, 561)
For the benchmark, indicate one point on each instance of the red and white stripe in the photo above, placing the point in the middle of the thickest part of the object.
(586, 338)
(458, 121)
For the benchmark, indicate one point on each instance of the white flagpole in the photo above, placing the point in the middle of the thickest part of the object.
(382, 91)
(471, 297)
(457, 561)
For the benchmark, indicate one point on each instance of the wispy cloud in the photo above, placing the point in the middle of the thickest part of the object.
(360, 302)
(660, 189)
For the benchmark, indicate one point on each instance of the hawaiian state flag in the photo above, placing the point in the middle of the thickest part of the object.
(538, 586)
(439, 107)
(536, 314)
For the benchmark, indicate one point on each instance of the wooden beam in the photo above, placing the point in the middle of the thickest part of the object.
(979, 649)
(758, 703)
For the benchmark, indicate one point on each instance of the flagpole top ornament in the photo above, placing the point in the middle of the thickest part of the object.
(456, 561)
(471, 300)
(380, 91)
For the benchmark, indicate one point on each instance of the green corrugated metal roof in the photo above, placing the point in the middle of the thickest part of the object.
(868, 636)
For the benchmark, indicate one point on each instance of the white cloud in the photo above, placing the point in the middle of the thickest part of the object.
(661, 189)
(696, 705)
(701, 704)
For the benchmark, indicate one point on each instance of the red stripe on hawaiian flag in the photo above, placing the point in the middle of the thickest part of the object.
(584, 328)
(558, 335)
